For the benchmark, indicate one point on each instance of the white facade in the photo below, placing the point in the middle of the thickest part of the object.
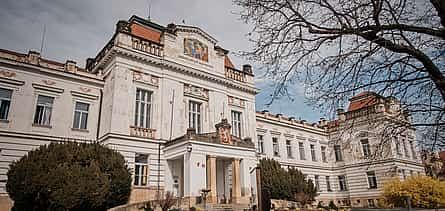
(140, 95)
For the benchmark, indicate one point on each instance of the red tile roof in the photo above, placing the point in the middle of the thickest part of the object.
(146, 33)
(363, 100)
(228, 63)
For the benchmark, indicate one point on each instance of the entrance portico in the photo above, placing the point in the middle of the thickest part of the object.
(215, 161)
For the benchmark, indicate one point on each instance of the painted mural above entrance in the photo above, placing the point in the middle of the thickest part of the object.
(196, 49)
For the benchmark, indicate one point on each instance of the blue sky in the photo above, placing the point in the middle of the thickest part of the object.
(78, 29)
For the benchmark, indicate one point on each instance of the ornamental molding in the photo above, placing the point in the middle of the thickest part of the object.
(173, 66)
(234, 101)
(84, 95)
(47, 88)
(195, 91)
(7, 73)
(145, 78)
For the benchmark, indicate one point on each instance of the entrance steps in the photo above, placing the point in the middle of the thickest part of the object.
(228, 207)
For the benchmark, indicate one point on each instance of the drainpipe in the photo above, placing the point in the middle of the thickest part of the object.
(100, 115)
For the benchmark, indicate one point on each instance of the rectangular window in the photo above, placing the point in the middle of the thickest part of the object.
(195, 116)
(371, 203)
(317, 182)
(81, 115)
(366, 148)
(289, 149)
(141, 170)
(323, 154)
(260, 144)
(405, 148)
(142, 114)
(313, 156)
(342, 183)
(413, 149)
(403, 174)
(301, 150)
(5, 103)
(398, 150)
(236, 123)
(275, 146)
(44, 110)
(372, 180)
(338, 154)
(328, 184)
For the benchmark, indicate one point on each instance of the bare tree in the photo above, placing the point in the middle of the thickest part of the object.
(341, 47)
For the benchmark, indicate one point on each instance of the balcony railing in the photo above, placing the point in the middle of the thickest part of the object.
(142, 132)
(147, 46)
(235, 75)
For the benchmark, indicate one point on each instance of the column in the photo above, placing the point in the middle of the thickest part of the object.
(236, 181)
(211, 179)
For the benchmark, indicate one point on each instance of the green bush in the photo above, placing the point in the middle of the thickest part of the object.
(332, 206)
(69, 176)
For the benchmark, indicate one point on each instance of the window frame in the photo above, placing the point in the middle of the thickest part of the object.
(342, 180)
(237, 124)
(195, 116)
(372, 179)
(148, 115)
(339, 155)
(87, 112)
(139, 175)
(275, 147)
(323, 154)
(8, 106)
(260, 143)
(366, 148)
(313, 152)
(35, 121)
(301, 150)
(328, 184)
(289, 149)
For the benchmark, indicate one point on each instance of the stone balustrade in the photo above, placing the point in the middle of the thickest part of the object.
(235, 75)
(147, 46)
(142, 132)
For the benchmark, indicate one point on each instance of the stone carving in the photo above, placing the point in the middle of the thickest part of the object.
(7, 74)
(194, 91)
(223, 130)
(237, 102)
(85, 89)
(49, 82)
(145, 78)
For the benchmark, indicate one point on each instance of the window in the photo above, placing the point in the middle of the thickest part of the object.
(289, 149)
(338, 155)
(328, 184)
(276, 148)
(413, 149)
(399, 152)
(405, 148)
(372, 180)
(195, 116)
(142, 114)
(314, 158)
(301, 149)
(5, 102)
(81, 115)
(323, 154)
(403, 174)
(317, 182)
(236, 123)
(342, 183)
(141, 170)
(366, 148)
(260, 144)
(43, 110)
(371, 203)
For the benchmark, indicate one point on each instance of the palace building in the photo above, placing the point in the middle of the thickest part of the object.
(169, 99)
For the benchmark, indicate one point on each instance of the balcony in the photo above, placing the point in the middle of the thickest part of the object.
(147, 46)
(142, 132)
(236, 75)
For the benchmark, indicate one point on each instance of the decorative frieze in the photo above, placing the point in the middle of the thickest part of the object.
(195, 91)
(142, 132)
(145, 78)
(237, 102)
(7, 74)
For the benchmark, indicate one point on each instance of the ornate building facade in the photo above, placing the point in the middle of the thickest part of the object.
(169, 99)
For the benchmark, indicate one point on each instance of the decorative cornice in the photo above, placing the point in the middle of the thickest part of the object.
(84, 95)
(47, 88)
(11, 81)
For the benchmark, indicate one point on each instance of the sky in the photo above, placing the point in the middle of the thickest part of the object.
(76, 30)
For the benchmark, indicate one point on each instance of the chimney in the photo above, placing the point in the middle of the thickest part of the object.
(322, 122)
(341, 114)
(33, 57)
(70, 66)
(247, 68)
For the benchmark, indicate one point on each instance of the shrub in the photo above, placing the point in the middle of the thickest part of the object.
(332, 206)
(168, 201)
(424, 191)
(69, 176)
